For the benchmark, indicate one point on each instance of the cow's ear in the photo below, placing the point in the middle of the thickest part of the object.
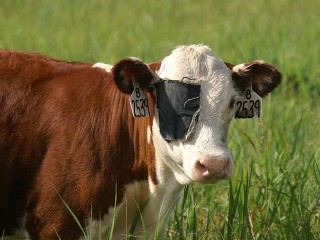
(263, 76)
(131, 68)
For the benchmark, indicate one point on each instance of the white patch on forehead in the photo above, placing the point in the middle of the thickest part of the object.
(194, 62)
(106, 67)
(200, 63)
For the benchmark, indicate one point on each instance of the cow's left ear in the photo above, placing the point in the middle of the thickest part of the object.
(263, 76)
(132, 68)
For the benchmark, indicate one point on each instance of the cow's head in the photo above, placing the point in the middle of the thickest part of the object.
(195, 92)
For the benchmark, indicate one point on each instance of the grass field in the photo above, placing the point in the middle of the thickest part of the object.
(275, 191)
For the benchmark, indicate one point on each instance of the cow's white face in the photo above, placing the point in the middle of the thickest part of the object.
(204, 156)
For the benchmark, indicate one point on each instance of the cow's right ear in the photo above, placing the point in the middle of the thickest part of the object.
(262, 76)
(132, 68)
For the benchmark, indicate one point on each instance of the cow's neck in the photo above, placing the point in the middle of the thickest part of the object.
(143, 147)
(153, 191)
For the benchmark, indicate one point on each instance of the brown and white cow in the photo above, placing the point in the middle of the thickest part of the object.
(69, 141)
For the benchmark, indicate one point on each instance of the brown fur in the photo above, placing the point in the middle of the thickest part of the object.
(66, 132)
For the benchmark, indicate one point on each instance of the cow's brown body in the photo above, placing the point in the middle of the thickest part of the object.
(65, 130)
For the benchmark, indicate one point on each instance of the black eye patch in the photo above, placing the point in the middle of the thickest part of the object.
(178, 104)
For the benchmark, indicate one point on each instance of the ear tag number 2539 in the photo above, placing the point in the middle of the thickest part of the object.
(248, 106)
(139, 102)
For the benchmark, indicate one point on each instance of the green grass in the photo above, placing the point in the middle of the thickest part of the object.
(275, 191)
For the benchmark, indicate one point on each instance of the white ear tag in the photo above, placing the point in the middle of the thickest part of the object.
(249, 105)
(139, 102)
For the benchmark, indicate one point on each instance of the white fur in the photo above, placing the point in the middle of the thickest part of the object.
(142, 200)
(238, 67)
(106, 67)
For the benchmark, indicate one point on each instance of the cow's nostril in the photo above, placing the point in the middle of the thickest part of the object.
(201, 170)
(201, 166)
(217, 167)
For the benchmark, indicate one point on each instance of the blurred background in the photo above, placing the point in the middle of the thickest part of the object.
(275, 192)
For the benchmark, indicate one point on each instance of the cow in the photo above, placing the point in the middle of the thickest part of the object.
(95, 148)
